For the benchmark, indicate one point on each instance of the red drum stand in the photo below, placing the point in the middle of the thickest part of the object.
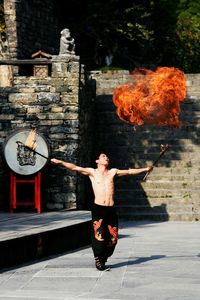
(35, 200)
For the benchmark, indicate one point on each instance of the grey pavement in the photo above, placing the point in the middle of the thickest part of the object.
(152, 261)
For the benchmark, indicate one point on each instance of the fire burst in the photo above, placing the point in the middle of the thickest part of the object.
(153, 97)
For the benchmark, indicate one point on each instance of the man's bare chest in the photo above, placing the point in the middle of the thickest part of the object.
(103, 179)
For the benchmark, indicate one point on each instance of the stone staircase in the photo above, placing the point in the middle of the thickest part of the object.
(173, 196)
(172, 190)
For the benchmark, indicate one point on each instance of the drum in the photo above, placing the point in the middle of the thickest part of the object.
(21, 159)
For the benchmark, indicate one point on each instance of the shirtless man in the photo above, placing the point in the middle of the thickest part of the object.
(104, 217)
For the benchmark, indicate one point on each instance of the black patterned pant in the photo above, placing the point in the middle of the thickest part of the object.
(104, 230)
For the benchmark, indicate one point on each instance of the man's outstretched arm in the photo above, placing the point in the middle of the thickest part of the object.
(134, 171)
(72, 167)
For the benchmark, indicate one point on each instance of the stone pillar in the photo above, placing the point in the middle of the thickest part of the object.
(6, 76)
(11, 27)
(64, 135)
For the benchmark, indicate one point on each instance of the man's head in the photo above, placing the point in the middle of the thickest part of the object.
(102, 159)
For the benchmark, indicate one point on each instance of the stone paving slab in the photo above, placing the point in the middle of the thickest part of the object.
(152, 261)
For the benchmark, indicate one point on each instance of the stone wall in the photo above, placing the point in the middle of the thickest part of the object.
(53, 105)
(31, 26)
(172, 190)
(76, 123)
(11, 27)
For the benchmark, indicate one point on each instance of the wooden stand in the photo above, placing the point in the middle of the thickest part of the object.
(34, 180)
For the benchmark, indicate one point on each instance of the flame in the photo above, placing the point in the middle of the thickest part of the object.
(31, 139)
(153, 97)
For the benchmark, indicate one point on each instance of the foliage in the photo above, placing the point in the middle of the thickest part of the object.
(133, 33)
(188, 33)
(164, 19)
(177, 33)
(118, 28)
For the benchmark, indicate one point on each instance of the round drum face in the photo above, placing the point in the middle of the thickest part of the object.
(22, 160)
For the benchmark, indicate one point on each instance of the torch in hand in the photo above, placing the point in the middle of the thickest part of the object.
(162, 151)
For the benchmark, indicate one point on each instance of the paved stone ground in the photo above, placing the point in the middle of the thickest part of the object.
(152, 261)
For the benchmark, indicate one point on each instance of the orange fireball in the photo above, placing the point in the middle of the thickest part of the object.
(153, 97)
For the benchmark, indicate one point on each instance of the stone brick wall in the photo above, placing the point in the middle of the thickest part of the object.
(172, 190)
(11, 28)
(76, 122)
(31, 26)
(52, 104)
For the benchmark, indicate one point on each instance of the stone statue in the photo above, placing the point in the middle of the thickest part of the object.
(67, 45)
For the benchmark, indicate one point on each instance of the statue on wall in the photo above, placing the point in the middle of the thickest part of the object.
(67, 45)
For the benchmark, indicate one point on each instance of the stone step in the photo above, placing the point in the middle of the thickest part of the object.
(110, 117)
(191, 118)
(185, 217)
(163, 208)
(26, 237)
(170, 156)
(188, 175)
(135, 182)
(171, 185)
(142, 201)
(193, 91)
(177, 146)
(131, 194)
(190, 108)
(158, 139)
(189, 163)
(192, 99)
(193, 85)
(191, 105)
(191, 184)
(176, 171)
(169, 159)
(173, 153)
(108, 87)
(159, 177)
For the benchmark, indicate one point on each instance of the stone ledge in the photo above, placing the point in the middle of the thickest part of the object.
(26, 237)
